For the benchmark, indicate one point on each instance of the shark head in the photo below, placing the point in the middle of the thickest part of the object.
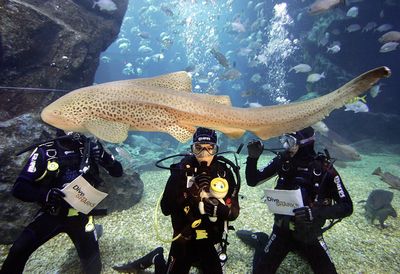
(65, 113)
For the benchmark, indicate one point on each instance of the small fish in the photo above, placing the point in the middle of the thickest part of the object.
(368, 27)
(375, 90)
(237, 26)
(144, 35)
(123, 45)
(320, 6)
(231, 74)
(107, 5)
(391, 36)
(392, 180)
(352, 12)
(222, 60)
(389, 46)
(167, 10)
(301, 68)
(357, 107)
(333, 49)
(353, 28)
(145, 49)
(157, 57)
(321, 127)
(128, 69)
(253, 104)
(123, 40)
(255, 78)
(308, 96)
(282, 100)
(315, 77)
(384, 27)
(105, 59)
(344, 152)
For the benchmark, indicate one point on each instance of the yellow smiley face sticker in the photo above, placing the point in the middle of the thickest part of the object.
(219, 187)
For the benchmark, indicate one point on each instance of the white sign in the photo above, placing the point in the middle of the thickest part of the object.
(82, 196)
(283, 201)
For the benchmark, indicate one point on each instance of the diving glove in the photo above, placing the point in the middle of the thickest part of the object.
(255, 148)
(201, 182)
(215, 208)
(53, 200)
(97, 151)
(303, 215)
(54, 197)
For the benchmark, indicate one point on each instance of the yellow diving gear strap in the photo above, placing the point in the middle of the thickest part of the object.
(196, 223)
(186, 209)
(89, 227)
(72, 212)
(51, 166)
(201, 234)
(41, 177)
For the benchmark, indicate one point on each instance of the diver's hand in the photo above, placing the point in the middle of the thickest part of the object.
(255, 148)
(54, 197)
(215, 208)
(97, 151)
(200, 182)
(203, 181)
(303, 215)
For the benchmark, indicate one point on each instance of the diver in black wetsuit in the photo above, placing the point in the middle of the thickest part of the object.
(51, 166)
(199, 221)
(324, 197)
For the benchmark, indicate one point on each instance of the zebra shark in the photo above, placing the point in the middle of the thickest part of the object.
(167, 104)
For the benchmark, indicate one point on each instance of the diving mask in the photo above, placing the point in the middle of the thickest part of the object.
(198, 148)
(288, 141)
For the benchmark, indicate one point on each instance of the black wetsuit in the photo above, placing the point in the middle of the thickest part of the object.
(198, 246)
(33, 185)
(328, 199)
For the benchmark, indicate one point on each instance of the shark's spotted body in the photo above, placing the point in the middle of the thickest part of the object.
(166, 104)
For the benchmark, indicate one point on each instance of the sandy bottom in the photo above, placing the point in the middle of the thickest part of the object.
(355, 245)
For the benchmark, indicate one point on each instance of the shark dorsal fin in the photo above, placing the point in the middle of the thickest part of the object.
(178, 81)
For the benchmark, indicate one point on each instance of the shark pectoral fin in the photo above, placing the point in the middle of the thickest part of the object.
(219, 99)
(234, 133)
(110, 131)
(180, 133)
(178, 81)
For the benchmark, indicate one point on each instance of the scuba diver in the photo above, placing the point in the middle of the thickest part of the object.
(52, 165)
(201, 196)
(324, 198)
